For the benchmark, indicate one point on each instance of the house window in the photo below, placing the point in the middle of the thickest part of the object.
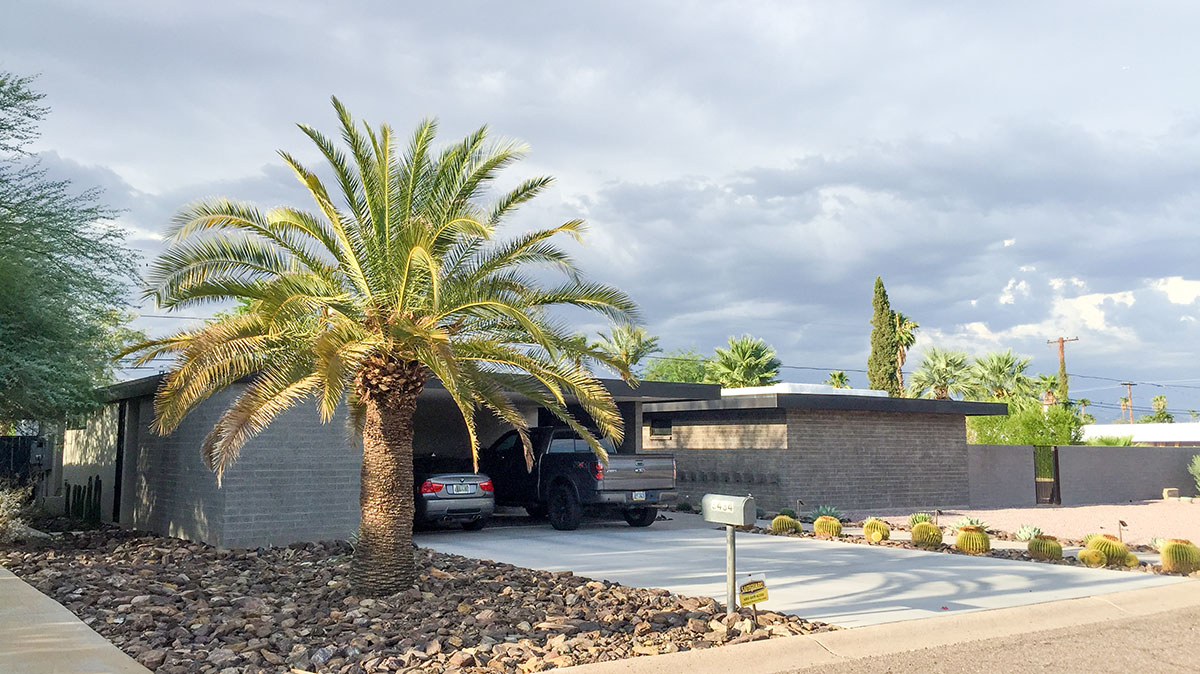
(660, 427)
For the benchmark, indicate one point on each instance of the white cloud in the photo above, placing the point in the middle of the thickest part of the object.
(1014, 288)
(1027, 267)
(1178, 289)
(1009, 242)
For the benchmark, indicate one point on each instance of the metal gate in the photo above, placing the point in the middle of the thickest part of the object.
(1045, 466)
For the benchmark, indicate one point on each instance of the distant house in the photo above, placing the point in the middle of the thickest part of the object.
(1153, 435)
(841, 447)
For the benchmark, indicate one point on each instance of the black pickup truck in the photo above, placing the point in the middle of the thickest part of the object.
(567, 478)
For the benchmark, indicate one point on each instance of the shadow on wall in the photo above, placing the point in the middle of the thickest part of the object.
(90, 452)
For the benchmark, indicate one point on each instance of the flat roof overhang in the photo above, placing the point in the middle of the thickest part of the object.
(646, 392)
(815, 401)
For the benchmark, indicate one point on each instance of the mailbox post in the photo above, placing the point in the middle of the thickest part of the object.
(732, 511)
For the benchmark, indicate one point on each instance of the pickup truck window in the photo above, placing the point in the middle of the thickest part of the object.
(562, 445)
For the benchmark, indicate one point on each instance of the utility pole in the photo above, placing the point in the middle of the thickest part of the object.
(1062, 365)
(1129, 393)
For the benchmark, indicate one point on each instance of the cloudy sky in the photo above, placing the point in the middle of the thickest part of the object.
(1012, 175)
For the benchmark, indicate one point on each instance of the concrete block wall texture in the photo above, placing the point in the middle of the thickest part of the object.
(719, 429)
(1121, 474)
(848, 459)
(1000, 476)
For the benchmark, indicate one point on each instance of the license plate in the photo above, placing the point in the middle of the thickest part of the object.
(460, 488)
(639, 496)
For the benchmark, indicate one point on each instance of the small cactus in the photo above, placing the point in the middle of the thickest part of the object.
(926, 535)
(1045, 547)
(1180, 556)
(1092, 557)
(1131, 560)
(783, 524)
(973, 540)
(916, 518)
(875, 529)
(1113, 549)
(827, 526)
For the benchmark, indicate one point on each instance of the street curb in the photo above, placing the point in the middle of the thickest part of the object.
(777, 656)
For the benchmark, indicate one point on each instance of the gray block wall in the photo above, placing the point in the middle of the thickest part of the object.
(848, 459)
(1000, 476)
(1121, 474)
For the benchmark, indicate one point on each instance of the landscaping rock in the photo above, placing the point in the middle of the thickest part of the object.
(179, 607)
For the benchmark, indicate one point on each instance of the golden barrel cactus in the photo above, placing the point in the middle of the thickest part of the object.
(973, 540)
(1092, 557)
(926, 535)
(876, 530)
(1180, 556)
(827, 526)
(784, 524)
(1131, 560)
(1045, 547)
(1113, 549)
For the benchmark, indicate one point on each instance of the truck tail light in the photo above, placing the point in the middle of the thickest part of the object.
(486, 485)
(598, 470)
(431, 487)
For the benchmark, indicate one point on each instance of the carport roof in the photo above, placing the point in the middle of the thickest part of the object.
(816, 401)
(647, 392)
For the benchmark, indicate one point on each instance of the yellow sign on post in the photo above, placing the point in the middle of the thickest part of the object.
(752, 589)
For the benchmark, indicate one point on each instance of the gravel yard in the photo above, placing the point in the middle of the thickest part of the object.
(1146, 519)
(185, 607)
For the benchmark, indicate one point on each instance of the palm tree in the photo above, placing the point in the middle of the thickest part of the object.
(394, 279)
(747, 362)
(1047, 385)
(1083, 404)
(627, 344)
(838, 379)
(1126, 406)
(942, 375)
(1002, 375)
(906, 336)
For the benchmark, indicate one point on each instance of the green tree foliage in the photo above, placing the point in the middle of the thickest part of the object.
(748, 361)
(65, 274)
(397, 276)
(1001, 375)
(881, 365)
(838, 379)
(1047, 387)
(684, 366)
(906, 337)
(1160, 415)
(942, 375)
(627, 344)
(1027, 423)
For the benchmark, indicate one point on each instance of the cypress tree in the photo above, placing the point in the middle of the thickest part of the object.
(881, 366)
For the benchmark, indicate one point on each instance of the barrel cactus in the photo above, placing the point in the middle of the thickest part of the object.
(783, 524)
(1045, 547)
(1092, 557)
(1113, 549)
(827, 526)
(875, 529)
(1131, 560)
(926, 535)
(972, 540)
(1180, 556)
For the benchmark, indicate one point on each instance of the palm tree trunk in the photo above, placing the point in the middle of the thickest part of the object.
(383, 558)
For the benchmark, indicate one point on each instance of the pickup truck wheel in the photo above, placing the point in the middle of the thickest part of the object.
(640, 517)
(565, 512)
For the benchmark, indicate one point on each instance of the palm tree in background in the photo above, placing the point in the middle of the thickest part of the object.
(395, 278)
(627, 344)
(906, 336)
(1001, 375)
(942, 375)
(1126, 407)
(1083, 404)
(838, 379)
(747, 362)
(1047, 385)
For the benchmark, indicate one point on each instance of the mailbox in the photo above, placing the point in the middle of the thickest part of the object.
(739, 511)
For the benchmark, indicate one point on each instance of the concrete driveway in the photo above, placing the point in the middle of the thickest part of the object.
(844, 584)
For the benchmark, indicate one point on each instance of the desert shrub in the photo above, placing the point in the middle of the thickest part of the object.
(1194, 469)
(1028, 532)
(12, 509)
(789, 512)
(1110, 441)
(759, 513)
(826, 511)
(916, 518)
(684, 506)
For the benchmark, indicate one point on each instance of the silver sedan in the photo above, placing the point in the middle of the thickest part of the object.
(464, 498)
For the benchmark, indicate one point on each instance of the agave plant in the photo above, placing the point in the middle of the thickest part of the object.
(826, 511)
